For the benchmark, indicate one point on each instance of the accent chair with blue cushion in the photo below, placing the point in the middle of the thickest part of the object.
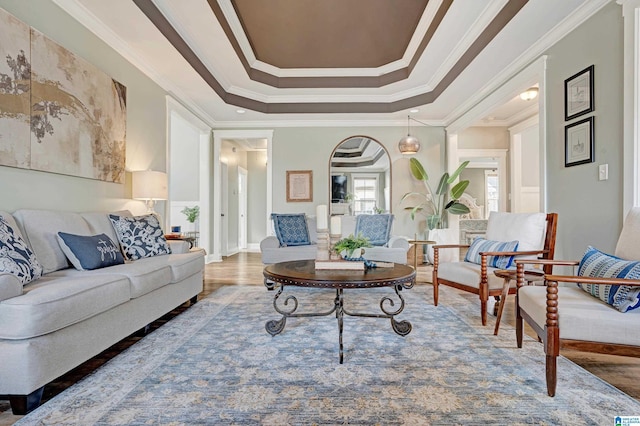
(508, 236)
(595, 310)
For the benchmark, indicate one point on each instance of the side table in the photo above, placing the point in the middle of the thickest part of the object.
(530, 277)
(418, 243)
(174, 237)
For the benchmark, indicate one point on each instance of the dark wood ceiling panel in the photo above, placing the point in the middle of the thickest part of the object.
(329, 33)
(329, 82)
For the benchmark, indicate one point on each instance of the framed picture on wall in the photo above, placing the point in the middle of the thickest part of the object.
(579, 143)
(299, 186)
(578, 94)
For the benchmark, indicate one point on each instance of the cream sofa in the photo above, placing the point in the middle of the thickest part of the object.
(55, 323)
(394, 251)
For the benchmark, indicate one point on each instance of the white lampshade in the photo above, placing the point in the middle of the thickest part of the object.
(150, 186)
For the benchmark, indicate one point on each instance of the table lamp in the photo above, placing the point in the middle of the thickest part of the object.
(150, 186)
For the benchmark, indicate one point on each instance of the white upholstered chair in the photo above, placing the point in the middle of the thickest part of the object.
(566, 316)
(535, 234)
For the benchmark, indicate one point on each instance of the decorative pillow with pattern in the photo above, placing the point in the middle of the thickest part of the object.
(90, 252)
(480, 245)
(140, 236)
(16, 257)
(595, 263)
(291, 229)
(375, 227)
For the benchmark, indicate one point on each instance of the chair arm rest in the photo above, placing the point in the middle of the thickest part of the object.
(269, 242)
(547, 262)
(592, 280)
(445, 246)
(178, 246)
(398, 242)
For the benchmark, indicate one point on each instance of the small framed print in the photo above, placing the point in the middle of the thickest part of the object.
(299, 186)
(578, 94)
(578, 143)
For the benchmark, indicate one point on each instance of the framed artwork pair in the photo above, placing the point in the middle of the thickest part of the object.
(579, 136)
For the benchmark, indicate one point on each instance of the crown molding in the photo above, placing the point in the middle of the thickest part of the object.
(535, 51)
(81, 14)
(469, 37)
(318, 123)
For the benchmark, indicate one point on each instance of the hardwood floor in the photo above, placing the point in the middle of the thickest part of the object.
(246, 268)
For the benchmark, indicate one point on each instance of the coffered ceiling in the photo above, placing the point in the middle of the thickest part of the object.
(311, 62)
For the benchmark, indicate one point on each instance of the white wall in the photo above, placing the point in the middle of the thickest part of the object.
(257, 196)
(590, 211)
(184, 180)
(146, 146)
(310, 149)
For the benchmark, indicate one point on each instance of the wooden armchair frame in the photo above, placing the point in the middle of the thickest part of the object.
(483, 290)
(550, 334)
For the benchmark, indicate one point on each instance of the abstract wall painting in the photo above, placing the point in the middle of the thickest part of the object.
(15, 74)
(78, 115)
(58, 112)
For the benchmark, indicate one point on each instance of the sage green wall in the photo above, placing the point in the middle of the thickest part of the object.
(590, 211)
(146, 124)
(308, 148)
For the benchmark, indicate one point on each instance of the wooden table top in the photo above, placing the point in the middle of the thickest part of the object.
(303, 273)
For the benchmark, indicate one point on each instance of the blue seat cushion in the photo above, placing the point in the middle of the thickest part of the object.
(375, 227)
(291, 229)
(595, 263)
(481, 245)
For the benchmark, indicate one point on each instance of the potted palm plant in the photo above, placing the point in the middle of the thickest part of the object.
(435, 204)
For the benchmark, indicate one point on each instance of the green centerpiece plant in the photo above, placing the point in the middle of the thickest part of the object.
(350, 244)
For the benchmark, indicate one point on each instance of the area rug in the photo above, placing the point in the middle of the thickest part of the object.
(216, 364)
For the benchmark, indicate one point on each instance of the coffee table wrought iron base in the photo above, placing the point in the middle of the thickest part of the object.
(288, 307)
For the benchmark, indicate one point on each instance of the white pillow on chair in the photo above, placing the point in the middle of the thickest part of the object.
(526, 228)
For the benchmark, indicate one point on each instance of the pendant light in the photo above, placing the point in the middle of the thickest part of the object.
(409, 145)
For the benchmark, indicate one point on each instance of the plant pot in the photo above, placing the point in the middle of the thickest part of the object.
(444, 236)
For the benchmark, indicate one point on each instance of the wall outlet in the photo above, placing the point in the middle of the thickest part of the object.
(603, 172)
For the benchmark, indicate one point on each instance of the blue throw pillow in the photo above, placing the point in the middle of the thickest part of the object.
(16, 257)
(291, 229)
(595, 263)
(480, 245)
(90, 252)
(140, 236)
(375, 227)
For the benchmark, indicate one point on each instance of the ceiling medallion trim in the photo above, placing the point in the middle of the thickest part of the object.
(163, 25)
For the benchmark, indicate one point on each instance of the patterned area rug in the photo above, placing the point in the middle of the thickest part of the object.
(216, 364)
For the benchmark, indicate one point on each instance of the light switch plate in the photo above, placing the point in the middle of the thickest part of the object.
(603, 172)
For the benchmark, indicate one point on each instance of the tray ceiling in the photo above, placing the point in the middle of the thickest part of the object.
(330, 60)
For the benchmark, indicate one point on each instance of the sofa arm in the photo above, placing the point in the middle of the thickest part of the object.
(10, 286)
(269, 243)
(178, 246)
(398, 242)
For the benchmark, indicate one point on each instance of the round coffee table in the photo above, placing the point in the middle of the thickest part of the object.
(302, 273)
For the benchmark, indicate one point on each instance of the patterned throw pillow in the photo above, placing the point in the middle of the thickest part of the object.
(375, 227)
(140, 236)
(90, 252)
(595, 263)
(16, 257)
(480, 245)
(291, 229)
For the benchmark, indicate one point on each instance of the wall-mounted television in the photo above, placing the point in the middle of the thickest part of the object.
(338, 188)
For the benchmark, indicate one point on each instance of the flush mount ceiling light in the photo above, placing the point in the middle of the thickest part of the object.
(529, 94)
(410, 144)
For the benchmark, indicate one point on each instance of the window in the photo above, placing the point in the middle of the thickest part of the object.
(365, 191)
(491, 191)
